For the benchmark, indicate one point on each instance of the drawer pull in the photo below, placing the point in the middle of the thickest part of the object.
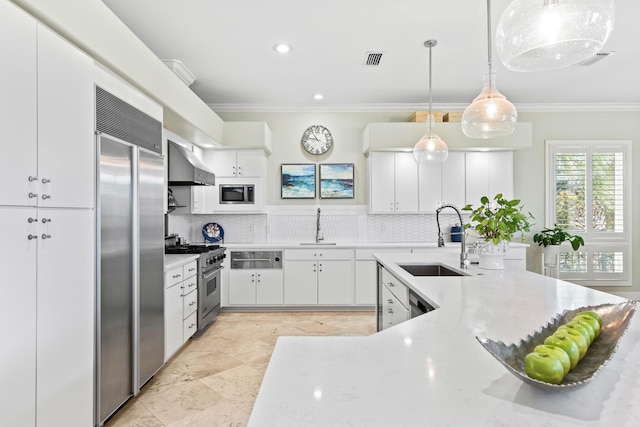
(175, 276)
(390, 301)
(46, 180)
(32, 220)
(46, 220)
(32, 236)
(33, 195)
(33, 178)
(46, 236)
(46, 196)
(390, 310)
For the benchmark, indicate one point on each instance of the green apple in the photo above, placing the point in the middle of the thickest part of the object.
(582, 343)
(543, 367)
(556, 352)
(577, 328)
(585, 325)
(594, 315)
(592, 321)
(568, 345)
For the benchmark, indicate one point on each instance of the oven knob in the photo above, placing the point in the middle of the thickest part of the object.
(277, 259)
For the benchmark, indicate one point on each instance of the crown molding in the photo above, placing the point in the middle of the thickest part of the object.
(378, 108)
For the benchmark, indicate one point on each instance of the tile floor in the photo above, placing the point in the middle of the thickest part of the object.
(214, 379)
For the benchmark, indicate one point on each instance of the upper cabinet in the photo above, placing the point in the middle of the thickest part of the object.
(488, 174)
(236, 163)
(397, 184)
(393, 182)
(47, 111)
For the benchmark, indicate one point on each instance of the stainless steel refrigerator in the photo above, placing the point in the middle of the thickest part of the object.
(130, 294)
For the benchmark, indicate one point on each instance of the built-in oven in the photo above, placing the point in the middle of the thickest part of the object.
(237, 193)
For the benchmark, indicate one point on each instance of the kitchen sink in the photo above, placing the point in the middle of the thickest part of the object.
(317, 244)
(430, 270)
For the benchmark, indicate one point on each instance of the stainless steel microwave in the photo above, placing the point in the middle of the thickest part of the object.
(237, 194)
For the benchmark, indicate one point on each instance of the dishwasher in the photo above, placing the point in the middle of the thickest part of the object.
(255, 279)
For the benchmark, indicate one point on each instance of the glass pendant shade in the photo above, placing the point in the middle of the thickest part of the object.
(538, 35)
(431, 148)
(490, 115)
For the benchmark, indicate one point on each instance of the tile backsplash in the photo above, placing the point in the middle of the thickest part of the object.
(347, 223)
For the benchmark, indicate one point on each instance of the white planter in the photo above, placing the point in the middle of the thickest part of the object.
(551, 255)
(492, 256)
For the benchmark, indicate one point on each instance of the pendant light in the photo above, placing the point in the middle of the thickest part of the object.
(490, 115)
(431, 148)
(538, 35)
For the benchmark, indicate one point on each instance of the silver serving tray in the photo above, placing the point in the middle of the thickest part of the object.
(615, 321)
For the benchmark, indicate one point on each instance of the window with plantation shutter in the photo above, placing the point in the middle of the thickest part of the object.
(589, 194)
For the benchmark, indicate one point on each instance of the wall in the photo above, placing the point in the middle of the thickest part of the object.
(529, 170)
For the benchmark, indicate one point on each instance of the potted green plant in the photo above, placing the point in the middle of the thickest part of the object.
(497, 221)
(551, 239)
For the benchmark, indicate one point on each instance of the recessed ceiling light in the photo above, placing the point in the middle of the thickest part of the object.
(282, 48)
(318, 96)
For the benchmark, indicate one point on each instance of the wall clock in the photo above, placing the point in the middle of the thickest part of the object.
(317, 139)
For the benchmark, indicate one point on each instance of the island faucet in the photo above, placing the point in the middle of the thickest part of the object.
(464, 263)
(319, 236)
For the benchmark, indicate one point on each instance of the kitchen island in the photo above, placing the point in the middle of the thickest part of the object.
(431, 370)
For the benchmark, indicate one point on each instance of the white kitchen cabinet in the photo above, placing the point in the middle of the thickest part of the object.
(236, 163)
(48, 374)
(394, 301)
(393, 182)
(65, 317)
(48, 107)
(453, 179)
(429, 187)
(203, 198)
(256, 287)
(65, 123)
(180, 306)
(18, 105)
(487, 174)
(366, 272)
(322, 276)
(18, 316)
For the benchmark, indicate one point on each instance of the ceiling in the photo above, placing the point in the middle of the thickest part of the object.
(228, 46)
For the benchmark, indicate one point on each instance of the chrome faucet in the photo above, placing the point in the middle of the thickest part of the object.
(319, 236)
(464, 263)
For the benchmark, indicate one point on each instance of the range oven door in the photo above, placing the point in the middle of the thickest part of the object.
(208, 296)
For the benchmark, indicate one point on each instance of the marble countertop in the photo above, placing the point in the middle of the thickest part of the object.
(175, 260)
(431, 370)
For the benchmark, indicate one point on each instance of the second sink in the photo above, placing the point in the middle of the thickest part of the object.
(430, 270)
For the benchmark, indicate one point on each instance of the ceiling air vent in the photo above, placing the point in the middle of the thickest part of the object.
(373, 59)
(595, 58)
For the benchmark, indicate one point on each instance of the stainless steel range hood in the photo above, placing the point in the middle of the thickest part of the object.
(187, 169)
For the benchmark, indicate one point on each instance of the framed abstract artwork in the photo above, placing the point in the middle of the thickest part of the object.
(336, 180)
(298, 181)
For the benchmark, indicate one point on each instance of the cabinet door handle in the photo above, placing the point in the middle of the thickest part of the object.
(32, 236)
(32, 220)
(46, 236)
(391, 284)
(46, 196)
(46, 180)
(33, 178)
(390, 310)
(390, 301)
(175, 276)
(46, 220)
(239, 170)
(33, 195)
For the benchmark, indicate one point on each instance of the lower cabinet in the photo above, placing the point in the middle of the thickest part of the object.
(259, 286)
(393, 304)
(180, 305)
(322, 277)
(47, 316)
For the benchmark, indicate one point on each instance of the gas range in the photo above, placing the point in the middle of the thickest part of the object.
(190, 249)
